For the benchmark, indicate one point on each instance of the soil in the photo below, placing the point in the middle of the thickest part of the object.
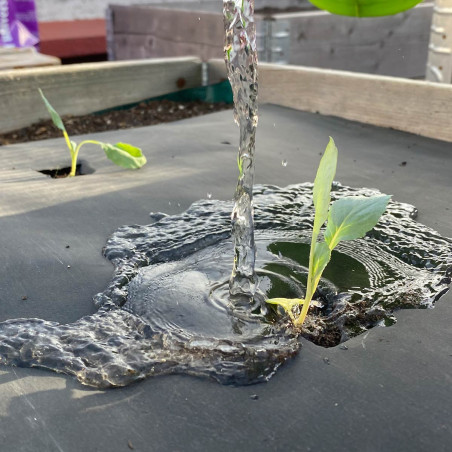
(269, 10)
(143, 114)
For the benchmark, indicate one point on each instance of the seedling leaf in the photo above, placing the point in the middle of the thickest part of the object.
(365, 8)
(350, 218)
(322, 185)
(56, 119)
(124, 155)
(322, 256)
(287, 303)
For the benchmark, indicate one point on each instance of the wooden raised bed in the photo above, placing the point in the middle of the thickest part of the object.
(413, 106)
(395, 45)
(86, 88)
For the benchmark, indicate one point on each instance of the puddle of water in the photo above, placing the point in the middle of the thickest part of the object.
(167, 309)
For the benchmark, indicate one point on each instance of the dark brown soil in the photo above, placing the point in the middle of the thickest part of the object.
(270, 11)
(144, 114)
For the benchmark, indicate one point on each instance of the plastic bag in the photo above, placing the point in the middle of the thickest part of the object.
(18, 23)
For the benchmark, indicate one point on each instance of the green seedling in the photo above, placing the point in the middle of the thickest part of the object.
(122, 154)
(348, 218)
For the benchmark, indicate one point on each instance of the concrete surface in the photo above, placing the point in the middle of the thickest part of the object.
(390, 391)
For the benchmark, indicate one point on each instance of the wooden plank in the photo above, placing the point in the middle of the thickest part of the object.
(131, 46)
(419, 107)
(18, 58)
(84, 88)
(394, 45)
(146, 32)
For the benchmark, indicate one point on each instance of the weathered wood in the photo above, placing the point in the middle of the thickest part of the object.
(394, 45)
(145, 32)
(85, 88)
(18, 58)
(414, 106)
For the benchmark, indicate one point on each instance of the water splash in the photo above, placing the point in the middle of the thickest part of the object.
(241, 63)
(167, 307)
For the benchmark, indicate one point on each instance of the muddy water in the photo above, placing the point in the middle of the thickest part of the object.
(167, 309)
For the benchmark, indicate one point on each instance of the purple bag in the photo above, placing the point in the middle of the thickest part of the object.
(18, 23)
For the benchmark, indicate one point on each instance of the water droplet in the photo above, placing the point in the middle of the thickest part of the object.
(284, 162)
(209, 195)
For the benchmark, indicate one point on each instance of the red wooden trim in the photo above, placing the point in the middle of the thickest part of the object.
(67, 39)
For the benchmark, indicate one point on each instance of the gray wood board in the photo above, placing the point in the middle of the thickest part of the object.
(146, 32)
(410, 105)
(85, 88)
(389, 391)
(395, 45)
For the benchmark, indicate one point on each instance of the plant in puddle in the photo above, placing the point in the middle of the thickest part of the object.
(122, 154)
(348, 218)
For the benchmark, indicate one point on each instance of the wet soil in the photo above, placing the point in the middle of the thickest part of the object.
(143, 114)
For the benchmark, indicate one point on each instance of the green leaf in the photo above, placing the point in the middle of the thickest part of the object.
(365, 8)
(124, 155)
(351, 217)
(322, 255)
(286, 303)
(53, 113)
(322, 185)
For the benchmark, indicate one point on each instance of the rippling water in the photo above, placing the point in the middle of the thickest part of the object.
(167, 309)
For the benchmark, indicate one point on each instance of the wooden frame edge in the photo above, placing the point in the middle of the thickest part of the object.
(414, 106)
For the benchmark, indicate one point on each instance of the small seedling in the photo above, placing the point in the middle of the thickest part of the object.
(122, 154)
(348, 218)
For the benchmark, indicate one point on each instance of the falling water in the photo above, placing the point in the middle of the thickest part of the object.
(241, 63)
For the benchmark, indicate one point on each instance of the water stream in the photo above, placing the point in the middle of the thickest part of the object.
(241, 64)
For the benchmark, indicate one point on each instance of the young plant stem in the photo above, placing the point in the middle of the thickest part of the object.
(74, 152)
(309, 289)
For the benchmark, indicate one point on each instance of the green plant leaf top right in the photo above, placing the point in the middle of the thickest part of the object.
(347, 219)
